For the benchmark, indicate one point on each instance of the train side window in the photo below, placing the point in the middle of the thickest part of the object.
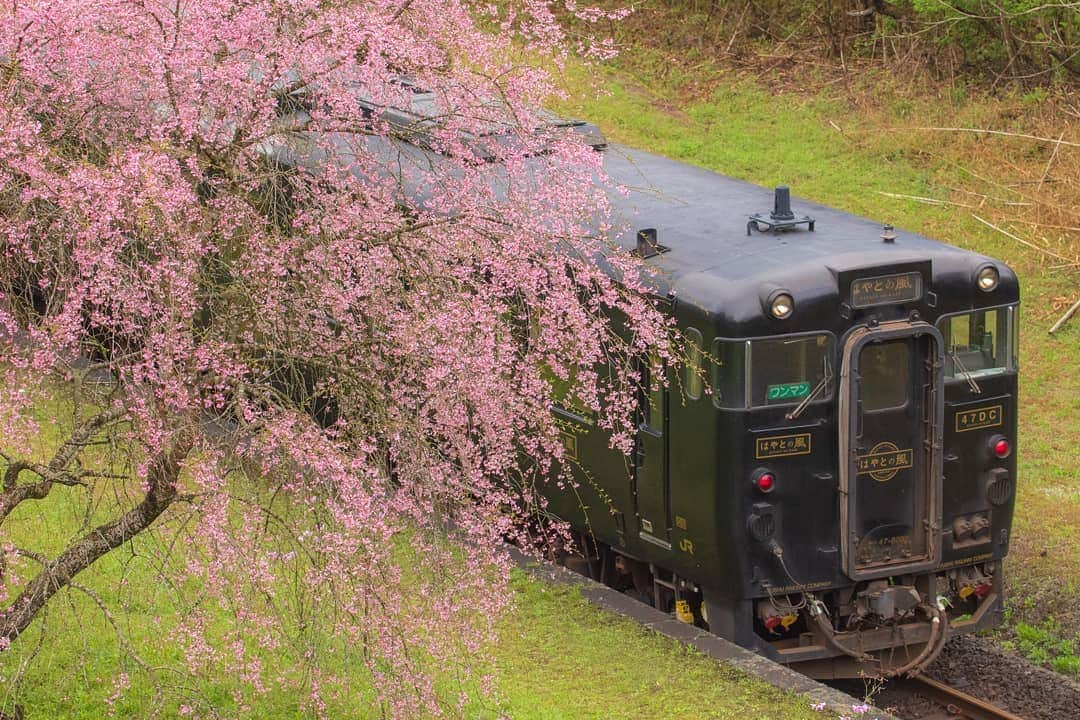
(692, 379)
(563, 397)
(727, 377)
(979, 343)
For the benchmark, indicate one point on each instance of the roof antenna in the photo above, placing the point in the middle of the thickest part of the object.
(781, 217)
(782, 204)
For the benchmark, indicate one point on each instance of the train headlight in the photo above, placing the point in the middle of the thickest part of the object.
(782, 306)
(987, 279)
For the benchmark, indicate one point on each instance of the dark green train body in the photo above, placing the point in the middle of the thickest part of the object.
(830, 479)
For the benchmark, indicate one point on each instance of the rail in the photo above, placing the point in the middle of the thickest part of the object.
(957, 705)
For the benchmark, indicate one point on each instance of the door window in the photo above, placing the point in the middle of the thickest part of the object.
(884, 375)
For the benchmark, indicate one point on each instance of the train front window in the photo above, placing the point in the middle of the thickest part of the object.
(766, 372)
(787, 370)
(980, 343)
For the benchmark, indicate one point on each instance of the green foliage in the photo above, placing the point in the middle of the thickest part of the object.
(1035, 96)
(1044, 644)
(1010, 38)
(1067, 664)
(1027, 41)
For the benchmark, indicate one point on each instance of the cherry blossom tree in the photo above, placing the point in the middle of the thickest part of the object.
(316, 346)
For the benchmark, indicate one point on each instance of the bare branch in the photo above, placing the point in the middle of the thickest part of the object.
(56, 470)
(982, 131)
(82, 553)
(122, 638)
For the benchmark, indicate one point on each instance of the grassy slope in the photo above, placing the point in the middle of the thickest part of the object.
(846, 143)
(559, 657)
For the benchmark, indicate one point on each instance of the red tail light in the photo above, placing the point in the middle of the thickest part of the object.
(764, 480)
(1001, 447)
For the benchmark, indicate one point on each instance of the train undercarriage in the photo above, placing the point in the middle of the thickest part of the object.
(881, 628)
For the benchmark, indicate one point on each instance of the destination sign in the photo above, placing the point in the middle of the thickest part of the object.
(787, 391)
(886, 289)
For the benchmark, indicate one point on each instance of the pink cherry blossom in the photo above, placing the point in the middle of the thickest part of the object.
(327, 353)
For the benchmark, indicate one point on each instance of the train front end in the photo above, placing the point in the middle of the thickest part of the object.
(877, 477)
(829, 477)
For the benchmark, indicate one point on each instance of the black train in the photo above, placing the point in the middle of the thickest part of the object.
(839, 493)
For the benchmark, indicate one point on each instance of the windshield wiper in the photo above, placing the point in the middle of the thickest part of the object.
(825, 380)
(975, 389)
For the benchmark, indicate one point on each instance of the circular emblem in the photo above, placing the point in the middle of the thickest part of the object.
(884, 461)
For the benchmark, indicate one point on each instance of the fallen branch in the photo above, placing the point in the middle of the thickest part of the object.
(999, 132)
(1028, 243)
(984, 198)
(1050, 162)
(1065, 318)
(924, 200)
(1049, 226)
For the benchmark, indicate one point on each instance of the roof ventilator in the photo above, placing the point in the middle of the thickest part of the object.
(781, 218)
(647, 244)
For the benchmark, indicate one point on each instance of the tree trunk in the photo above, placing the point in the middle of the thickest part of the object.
(99, 541)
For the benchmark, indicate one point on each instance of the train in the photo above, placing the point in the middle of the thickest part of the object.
(829, 478)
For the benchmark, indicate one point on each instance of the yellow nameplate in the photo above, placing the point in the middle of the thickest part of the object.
(978, 418)
(782, 445)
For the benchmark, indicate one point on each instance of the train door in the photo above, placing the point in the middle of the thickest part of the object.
(651, 463)
(890, 449)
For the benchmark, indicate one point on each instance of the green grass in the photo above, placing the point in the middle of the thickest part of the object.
(566, 659)
(1043, 644)
(557, 657)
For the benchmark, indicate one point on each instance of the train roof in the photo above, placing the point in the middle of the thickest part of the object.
(713, 264)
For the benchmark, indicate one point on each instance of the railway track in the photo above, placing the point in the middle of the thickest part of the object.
(956, 705)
